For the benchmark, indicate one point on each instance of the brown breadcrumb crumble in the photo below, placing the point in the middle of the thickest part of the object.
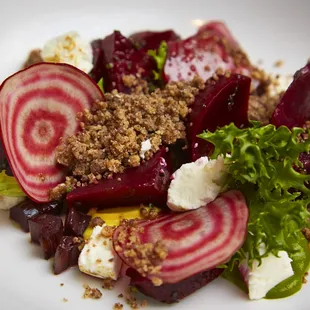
(107, 231)
(113, 131)
(92, 293)
(108, 283)
(65, 300)
(34, 57)
(118, 306)
(96, 221)
(149, 212)
(146, 258)
(79, 241)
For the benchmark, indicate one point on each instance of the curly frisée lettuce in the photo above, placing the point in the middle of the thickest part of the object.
(9, 186)
(261, 164)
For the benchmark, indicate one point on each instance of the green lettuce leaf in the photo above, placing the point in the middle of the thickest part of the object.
(261, 164)
(101, 84)
(160, 57)
(9, 186)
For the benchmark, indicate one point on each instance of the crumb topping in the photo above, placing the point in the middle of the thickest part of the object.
(118, 306)
(149, 212)
(108, 283)
(146, 258)
(113, 131)
(107, 231)
(96, 221)
(34, 57)
(92, 293)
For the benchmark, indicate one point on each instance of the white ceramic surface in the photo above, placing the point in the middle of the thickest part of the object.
(268, 30)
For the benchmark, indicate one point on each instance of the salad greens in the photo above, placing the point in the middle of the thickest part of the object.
(160, 57)
(261, 164)
(9, 186)
(101, 85)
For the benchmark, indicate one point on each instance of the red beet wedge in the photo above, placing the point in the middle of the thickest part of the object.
(150, 40)
(196, 241)
(219, 104)
(67, 254)
(172, 292)
(147, 183)
(38, 106)
(212, 47)
(28, 209)
(47, 230)
(294, 107)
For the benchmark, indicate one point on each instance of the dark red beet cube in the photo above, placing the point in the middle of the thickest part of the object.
(67, 253)
(170, 293)
(76, 222)
(29, 209)
(222, 102)
(47, 230)
(147, 183)
(150, 40)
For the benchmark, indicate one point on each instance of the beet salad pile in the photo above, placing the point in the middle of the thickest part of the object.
(175, 161)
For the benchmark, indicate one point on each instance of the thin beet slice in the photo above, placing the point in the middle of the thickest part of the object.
(294, 107)
(147, 183)
(219, 29)
(38, 106)
(29, 209)
(196, 241)
(67, 254)
(212, 47)
(171, 293)
(118, 57)
(76, 222)
(220, 103)
(150, 40)
(47, 230)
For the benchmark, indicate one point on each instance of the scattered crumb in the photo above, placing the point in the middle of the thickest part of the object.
(120, 295)
(92, 293)
(108, 284)
(96, 221)
(107, 231)
(118, 306)
(149, 212)
(61, 284)
(65, 300)
(278, 64)
(34, 57)
(144, 303)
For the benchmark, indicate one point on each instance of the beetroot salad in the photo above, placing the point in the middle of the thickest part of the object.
(170, 161)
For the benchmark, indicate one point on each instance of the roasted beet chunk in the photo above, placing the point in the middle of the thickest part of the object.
(294, 107)
(222, 102)
(67, 253)
(170, 293)
(147, 183)
(76, 222)
(150, 40)
(47, 230)
(29, 209)
(117, 57)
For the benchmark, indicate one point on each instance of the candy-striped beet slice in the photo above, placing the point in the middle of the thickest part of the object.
(38, 106)
(196, 241)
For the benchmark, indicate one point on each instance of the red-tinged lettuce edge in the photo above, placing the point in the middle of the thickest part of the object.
(294, 107)
(44, 64)
(218, 229)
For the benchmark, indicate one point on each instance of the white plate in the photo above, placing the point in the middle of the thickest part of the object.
(268, 30)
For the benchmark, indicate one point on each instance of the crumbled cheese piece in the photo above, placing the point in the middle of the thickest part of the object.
(7, 202)
(145, 146)
(196, 184)
(262, 278)
(98, 257)
(71, 49)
